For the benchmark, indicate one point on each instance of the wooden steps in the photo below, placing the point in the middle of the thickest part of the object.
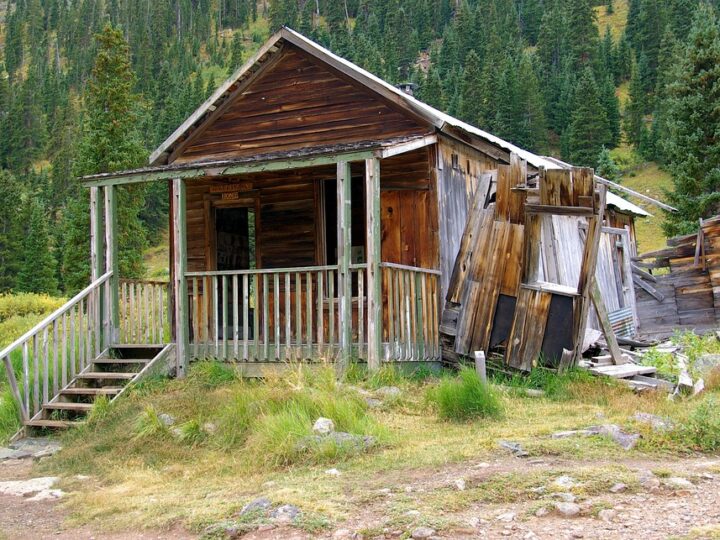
(104, 391)
(53, 424)
(107, 375)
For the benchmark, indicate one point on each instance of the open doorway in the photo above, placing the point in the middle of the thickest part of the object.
(234, 250)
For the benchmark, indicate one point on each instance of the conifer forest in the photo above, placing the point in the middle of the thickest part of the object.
(90, 86)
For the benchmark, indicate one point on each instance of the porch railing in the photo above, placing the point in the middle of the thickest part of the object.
(268, 315)
(294, 313)
(411, 325)
(56, 349)
(144, 315)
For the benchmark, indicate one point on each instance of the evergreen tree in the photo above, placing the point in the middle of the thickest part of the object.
(11, 234)
(635, 108)
(693, 116)
(471, 92)
(110, 141)
(431, 92)
(606, 166)
(236, 58)
(611, 104)
(588, 131)
(38, 268)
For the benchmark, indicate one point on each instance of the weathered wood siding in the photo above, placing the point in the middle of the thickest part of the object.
(459, 170)
(298, 103)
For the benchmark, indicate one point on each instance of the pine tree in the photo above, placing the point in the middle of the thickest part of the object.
(611, 104)
(635, 108)
(588, 131)
(583, 36)
(606, 166)
(431, 92)
(236, 58)
(110, 141)
(38, 268)
(471, 91)
(691, 143)
(11, 237)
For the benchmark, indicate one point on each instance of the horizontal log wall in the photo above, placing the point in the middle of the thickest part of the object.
(295, 104)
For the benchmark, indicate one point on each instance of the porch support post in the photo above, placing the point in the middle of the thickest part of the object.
(180, 286)
(111, 265)
(372, 193)
(96, 267)
(344, 244)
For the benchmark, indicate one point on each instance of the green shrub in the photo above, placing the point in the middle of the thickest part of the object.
(22, 304)
(149, 424)
(702, 428)
(464, 397)
(191, 432)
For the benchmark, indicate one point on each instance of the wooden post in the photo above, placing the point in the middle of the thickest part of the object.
(111, 265)
(180, 285)
(372, 194)
(96, 268)
(344, 243)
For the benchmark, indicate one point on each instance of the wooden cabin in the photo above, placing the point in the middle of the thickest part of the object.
(317, 212)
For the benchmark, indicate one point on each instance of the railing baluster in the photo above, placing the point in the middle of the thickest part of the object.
(320, 345)
(36, 374)
(256, 317)
(45, 367)
(331, 310)
(361, 313)
(56, 357)
(308, 315)
(72, 316)
(298, 314)
(265, 315)
(236, 322)
(225, 322)
(276, 313)
(64, 350)
(288, 311)
(246, 325)
(215, 315)
(195, 319)
(26, 375)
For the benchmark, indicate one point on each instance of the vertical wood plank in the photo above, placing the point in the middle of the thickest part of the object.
(180, 301)
(196, 319)
(55, 370)
(361, 314)
(298, 312)
(276, 314)
(265, 316)
(331, 308)
(288, 315)
(320, 315)
(216, 316)
(236, 322)
(26, 374)
(308, 314)
(246, 322)
(45, 367)
(111, 263)
(373, 243)
(225, 323)
(344, 243)
(36, 374)
(256, 317)
(64, 370)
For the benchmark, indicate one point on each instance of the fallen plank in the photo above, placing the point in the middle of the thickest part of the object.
(637, 280)
(624, 371)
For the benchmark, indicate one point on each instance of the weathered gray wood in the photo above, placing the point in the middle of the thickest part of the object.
(236, 322)
(607, 329)
(288, 315)
(96, 261)
(637, 280)
(373, 243)
(180, 285)
(111, 264)
(344, 205)
(276, 314)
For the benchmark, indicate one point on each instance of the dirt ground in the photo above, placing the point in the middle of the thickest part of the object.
(654, 509)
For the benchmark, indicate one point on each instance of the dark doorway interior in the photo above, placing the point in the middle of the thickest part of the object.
(235, 241)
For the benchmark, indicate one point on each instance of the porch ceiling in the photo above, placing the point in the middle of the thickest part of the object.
(292, 159)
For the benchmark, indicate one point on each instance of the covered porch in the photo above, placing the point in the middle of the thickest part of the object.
(320, 254)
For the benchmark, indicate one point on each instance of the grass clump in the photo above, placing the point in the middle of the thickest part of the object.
(702, 428)
(465, 397)
(149, 424)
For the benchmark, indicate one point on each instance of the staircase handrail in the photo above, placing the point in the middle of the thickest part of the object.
(37, 329)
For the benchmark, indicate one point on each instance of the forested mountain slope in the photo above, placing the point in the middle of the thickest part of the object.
(544, 74)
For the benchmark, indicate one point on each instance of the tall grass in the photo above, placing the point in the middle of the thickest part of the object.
(465, 397)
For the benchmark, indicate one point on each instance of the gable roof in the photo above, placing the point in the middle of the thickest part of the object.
(233, 86)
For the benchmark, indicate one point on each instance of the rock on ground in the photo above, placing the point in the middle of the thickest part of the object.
(323, 426)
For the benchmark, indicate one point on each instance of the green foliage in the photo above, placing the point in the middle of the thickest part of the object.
(588, 132)
(606, 166)
(692, 115)
(38, 269)
(702, 427)
(211, 374)
(556, 386)
(150, 425)
(10, 230)
(465, 397)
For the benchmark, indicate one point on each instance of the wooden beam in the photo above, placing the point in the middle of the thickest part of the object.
(402, 148)
(209, 171)
(111, 265)
(606, 326)
(180, 283)
(373, 242)
(559, 210)
(628, 274)
(344, 248)
(657, 295)
(629, 191)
